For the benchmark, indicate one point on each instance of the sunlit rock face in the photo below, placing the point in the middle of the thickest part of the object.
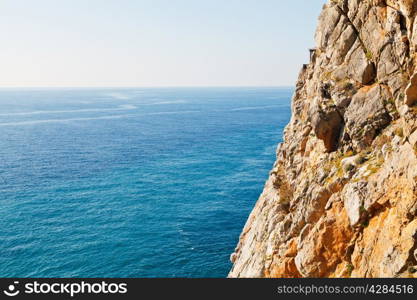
(341, 199)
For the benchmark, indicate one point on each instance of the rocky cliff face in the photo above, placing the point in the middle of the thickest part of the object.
(341, 199)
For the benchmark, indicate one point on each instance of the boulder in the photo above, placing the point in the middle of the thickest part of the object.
(354, 198)
(366, 115)
(362, 69)
(411, 91)
(327, 124)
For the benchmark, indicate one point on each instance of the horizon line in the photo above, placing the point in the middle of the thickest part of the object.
(145, 87)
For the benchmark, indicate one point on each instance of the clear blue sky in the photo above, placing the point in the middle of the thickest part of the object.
(155, 42)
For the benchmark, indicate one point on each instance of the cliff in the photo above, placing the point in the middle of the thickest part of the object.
(341, 199)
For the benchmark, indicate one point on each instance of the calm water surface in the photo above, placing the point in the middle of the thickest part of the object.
(132, 182)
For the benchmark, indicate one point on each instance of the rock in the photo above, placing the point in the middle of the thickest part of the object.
(387, 63)
(326, 125)
(361, 68)
(328, 21)
(411, 91)
(233, 257)
(403, 110)
(366, 115)
(354, 198)
(341, 200)
(324, 246)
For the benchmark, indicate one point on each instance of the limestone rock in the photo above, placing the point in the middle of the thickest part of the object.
(411, 91)
(360, 67)
(366, 115)
(354, 198)
(341, 199)
(326, 125)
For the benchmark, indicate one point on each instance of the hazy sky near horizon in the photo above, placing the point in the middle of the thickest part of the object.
(99, 43)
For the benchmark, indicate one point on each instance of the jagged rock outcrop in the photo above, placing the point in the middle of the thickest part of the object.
(341, 199)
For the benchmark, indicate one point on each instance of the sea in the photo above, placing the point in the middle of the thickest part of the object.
(132, 182)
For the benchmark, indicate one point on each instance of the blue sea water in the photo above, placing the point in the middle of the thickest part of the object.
(132, 182)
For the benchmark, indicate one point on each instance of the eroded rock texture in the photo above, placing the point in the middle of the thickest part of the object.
(341, 199)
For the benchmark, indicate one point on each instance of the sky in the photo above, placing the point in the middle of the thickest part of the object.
(154, 43)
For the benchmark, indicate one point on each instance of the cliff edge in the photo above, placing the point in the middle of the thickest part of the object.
(341, 199)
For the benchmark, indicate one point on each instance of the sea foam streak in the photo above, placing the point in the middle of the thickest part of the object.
(166, 102)
(95, 118)
(254, 107)
(119, 96)
(61, 120)
(120, 107)
(41, 112)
